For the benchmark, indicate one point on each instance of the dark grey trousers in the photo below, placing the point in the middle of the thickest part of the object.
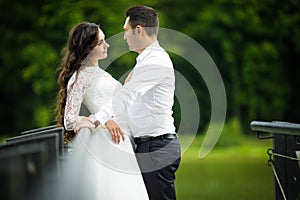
(159, 159)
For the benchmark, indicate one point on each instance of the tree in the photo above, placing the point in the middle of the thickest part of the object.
(253, 43)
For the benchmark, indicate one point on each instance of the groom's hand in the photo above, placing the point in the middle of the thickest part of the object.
(116, 132)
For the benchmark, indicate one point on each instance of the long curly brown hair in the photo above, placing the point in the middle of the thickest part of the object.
(83, 37)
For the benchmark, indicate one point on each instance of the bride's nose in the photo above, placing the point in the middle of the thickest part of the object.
(107, 45)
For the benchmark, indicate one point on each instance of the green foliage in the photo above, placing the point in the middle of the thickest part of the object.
(263, 80)
(254, 44)
(232, 134)
(42, 116)
(40, 72)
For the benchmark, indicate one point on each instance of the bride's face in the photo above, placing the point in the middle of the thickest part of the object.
(100, 50)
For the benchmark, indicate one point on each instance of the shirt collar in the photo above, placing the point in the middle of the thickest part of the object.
(151, 47)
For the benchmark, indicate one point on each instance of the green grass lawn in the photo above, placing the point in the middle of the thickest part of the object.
(237, 172)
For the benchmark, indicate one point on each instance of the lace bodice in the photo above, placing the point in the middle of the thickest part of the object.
(94, 88)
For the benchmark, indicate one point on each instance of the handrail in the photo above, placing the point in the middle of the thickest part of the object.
(276, 127)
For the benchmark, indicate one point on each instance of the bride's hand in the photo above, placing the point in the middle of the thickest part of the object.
(83, 123)
(116, 132)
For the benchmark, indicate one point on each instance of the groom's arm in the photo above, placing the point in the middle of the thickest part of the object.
(141, 81)
(103, 115)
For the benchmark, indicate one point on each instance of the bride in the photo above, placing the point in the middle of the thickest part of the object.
(102, 165)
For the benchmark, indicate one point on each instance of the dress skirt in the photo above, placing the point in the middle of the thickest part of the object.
(101, 170)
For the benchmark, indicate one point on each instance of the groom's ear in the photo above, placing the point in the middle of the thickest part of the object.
(139, 29)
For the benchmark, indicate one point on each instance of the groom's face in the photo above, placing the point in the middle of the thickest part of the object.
(132, 37)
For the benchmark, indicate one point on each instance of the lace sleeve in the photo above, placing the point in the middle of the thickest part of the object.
(74, 100)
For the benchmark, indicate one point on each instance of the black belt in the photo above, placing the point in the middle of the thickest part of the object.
(139, 140)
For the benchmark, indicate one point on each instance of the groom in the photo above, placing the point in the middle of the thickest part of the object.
(147, 99)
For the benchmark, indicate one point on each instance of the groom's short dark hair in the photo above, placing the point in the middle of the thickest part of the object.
(144, 16)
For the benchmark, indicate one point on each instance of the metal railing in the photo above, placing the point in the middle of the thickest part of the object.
(284, 157)
(34, 159)
(276, 127)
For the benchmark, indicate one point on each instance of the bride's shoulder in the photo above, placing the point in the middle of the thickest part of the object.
(83, 76)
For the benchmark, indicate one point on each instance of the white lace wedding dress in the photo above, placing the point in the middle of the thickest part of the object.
(98, 168)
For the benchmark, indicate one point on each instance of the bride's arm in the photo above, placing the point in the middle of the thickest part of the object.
(75, 93)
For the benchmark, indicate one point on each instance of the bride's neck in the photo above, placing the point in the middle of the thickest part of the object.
(90, 64)
(90, 61)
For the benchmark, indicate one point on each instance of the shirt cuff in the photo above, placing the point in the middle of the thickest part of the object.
(100, 117)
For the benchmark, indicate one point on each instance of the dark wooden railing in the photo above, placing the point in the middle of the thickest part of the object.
(284, 157)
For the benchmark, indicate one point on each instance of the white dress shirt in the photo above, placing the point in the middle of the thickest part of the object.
(147, 98)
